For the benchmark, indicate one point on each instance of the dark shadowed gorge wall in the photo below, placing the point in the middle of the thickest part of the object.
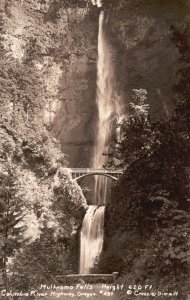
(142, 32)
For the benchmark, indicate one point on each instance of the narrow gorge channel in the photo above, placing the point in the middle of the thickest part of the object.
(109, 106)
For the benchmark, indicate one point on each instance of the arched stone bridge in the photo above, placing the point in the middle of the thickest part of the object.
(78, 173)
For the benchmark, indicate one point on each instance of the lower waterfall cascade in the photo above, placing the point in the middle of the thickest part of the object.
(92, 234)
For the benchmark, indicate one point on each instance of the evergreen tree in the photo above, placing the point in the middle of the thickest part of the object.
(149, 213)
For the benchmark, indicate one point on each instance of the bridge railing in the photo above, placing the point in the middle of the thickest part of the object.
(92, 170)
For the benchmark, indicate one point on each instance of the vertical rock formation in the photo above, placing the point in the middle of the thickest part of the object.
(147, 57)
(54, 37)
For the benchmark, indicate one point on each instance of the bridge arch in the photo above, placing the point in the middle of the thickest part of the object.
(79, 173)
(92, 174)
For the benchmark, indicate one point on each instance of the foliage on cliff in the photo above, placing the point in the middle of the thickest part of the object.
(39, 202)
(148, 220)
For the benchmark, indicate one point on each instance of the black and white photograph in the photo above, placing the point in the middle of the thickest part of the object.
(95, 149)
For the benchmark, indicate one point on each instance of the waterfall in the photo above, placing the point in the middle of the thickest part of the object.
(109, 110)
(91, 237)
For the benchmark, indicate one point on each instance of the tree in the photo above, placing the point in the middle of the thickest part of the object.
(135, 131)
(150, 204)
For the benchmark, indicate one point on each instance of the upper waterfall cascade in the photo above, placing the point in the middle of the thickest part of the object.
(109, 108)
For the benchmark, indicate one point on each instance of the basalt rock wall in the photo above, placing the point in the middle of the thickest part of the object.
(59, 39)
(143, 34)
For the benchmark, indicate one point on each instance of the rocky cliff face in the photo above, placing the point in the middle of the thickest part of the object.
(60, 39)
(31, 74)
(148, 58)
